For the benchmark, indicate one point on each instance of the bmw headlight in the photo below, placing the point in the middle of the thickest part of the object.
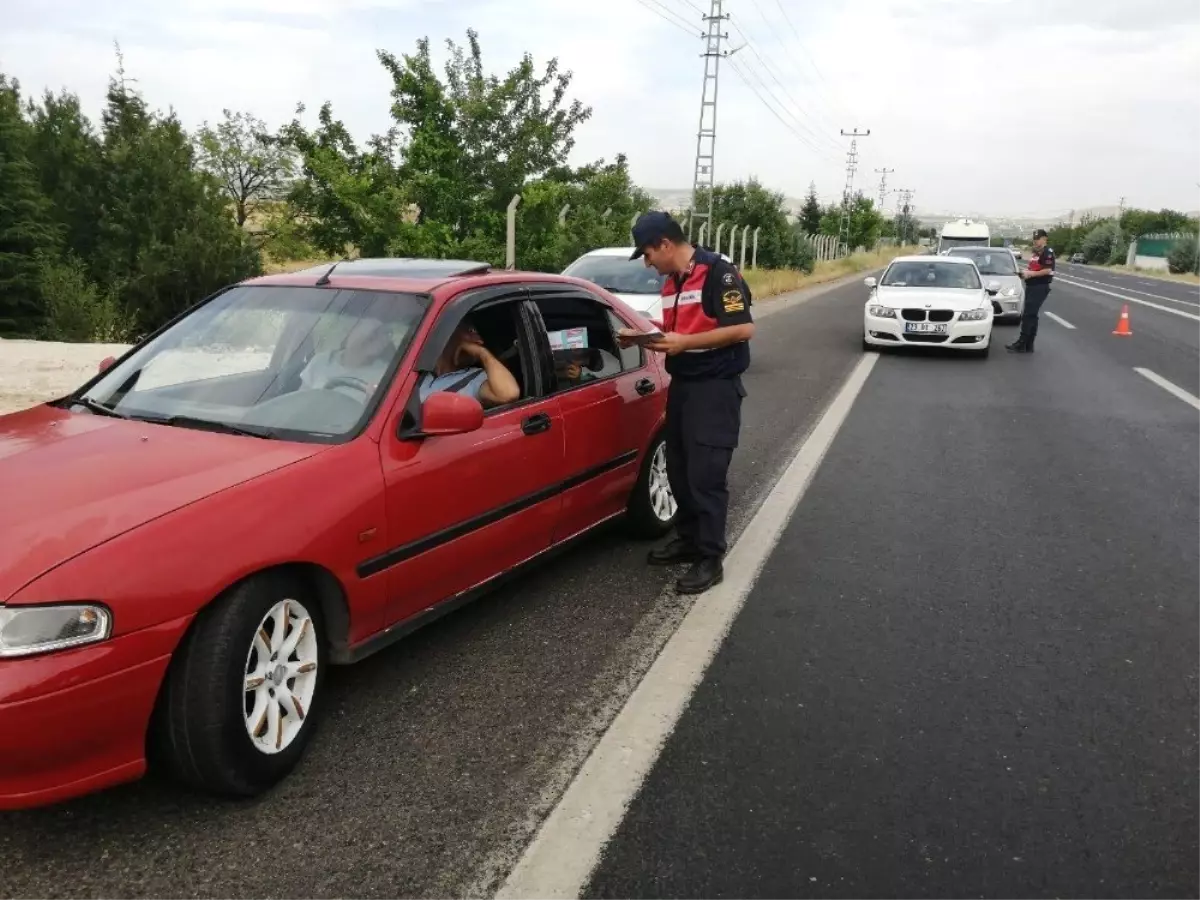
(881, 312)
(28, 630)
(975, 315)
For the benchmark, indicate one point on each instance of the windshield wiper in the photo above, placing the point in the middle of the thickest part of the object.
(97, 407)
(254, 431)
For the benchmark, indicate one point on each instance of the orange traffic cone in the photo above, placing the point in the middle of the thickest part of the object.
(1122, 328)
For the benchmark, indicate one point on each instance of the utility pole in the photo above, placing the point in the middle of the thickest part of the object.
(1120, 211)
(903, 211)
(851, 168)
(706, 134)
(883, 173)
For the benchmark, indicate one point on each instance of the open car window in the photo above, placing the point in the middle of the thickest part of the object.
(305, 363)
(582, 339)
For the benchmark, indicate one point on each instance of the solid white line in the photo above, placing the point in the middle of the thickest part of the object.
(1059, 319)
(1117, 284)
(1169, 387)
(1177, 312)
(560, 859)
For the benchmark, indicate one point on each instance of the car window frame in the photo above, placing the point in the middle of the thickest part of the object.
(557, 290)
(447, 320)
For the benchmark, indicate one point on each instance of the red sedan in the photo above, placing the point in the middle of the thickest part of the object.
(294, 474)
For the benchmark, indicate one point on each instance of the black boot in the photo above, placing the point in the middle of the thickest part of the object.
(1017, 346)
(677, 551)
(706, 573)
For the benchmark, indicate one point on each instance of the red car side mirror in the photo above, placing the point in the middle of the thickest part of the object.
(106, 363)
(447, 413)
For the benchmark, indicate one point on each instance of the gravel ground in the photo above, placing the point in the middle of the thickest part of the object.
(33, 372)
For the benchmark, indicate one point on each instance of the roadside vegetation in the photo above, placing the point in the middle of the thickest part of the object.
(766, 283)
(111, 228)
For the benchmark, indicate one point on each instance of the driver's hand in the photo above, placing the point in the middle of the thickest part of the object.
(471, 350)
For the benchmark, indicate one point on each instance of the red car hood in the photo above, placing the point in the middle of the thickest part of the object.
(70, 481)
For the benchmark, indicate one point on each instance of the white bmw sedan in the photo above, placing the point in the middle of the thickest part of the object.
(930, 301)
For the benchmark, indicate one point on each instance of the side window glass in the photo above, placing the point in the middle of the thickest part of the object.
(581, 337)
(632, 357)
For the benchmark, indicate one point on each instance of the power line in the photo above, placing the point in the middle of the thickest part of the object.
(782, 121)
(808, 57)
(816, 132)
(789, 53)
(671, 18)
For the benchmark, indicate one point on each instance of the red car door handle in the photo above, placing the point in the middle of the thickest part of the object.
(536, 423)
(645, 386)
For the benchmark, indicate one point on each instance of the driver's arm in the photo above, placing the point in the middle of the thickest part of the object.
(501, 387)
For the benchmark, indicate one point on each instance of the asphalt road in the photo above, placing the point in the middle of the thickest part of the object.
(440, 755)
(969, 668)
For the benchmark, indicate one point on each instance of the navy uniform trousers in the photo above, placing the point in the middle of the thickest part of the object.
(704, 419)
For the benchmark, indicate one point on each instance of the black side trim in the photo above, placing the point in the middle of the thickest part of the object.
(397, 555)
(381, 640)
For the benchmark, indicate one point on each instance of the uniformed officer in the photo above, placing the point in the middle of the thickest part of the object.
(1037, 277)
(706, 331)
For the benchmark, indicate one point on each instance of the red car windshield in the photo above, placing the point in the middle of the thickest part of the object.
(296, 362)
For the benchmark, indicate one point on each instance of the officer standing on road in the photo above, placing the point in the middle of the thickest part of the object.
(1037, 288)
(707, 327)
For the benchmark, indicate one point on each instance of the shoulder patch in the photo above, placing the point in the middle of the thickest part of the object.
(733, 301)
(728, 279)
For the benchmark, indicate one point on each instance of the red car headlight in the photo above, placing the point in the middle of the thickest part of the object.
(30, 630)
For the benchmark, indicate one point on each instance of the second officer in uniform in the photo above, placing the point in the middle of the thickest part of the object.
(706, 331)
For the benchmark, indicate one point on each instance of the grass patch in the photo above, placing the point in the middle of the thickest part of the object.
(766, 283)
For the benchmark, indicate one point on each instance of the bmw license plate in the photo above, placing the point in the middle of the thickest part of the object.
(924, 328)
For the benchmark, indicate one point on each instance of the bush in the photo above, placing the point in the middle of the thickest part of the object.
(75, 308)
(1097, 246)
(804, 259)
(1184, 257)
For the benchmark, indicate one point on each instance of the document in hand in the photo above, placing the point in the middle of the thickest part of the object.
(642, 338)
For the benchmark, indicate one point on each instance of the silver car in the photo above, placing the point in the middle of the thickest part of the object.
(997, 264)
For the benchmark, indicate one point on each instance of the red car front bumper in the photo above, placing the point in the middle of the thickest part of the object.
(74, 722)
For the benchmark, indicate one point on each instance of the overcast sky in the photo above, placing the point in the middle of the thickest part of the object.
(995, 106)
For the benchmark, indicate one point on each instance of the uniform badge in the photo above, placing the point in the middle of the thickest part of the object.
(733, 301)
(727, 279)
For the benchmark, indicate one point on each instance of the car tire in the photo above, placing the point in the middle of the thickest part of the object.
(210, 708)
(982, 354)
(652, 508)
(868, 347)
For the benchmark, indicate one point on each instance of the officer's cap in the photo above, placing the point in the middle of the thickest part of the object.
(651, 228)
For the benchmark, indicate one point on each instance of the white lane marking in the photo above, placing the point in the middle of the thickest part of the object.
(1059, 319)
(560, 859)
(1117, 284)
(1169, 387)
(1178, 312)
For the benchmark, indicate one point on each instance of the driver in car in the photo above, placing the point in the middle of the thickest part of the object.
(467, 367)
(358, 367)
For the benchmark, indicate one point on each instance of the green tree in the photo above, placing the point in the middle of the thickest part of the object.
(26, 224)
(165, 238)
(250, 164)
(745, 203)
(1097, 245)
(66, 150)
(865, 226)
(810, 213)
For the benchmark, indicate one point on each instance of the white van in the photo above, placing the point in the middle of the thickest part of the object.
(964, 233)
